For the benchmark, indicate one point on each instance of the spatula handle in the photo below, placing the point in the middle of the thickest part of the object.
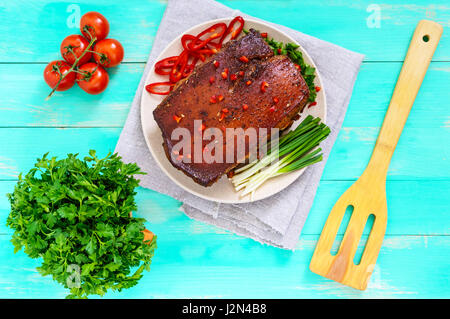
(421, 49)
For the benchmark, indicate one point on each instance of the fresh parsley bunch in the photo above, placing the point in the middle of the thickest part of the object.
(75, 214)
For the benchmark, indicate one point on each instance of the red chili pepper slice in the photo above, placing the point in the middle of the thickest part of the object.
(186, 40)
(198, 55)
(176, 118)
(194, 43)
(197, 43)
(195, 48)
(222, 116)
(177, 70)
(167, 62)
(239, 29)
(224, 74)
(190, 67)
(264, 84)
(243, 59)
(164, 66)
(213, 28)
(230, 29)
(151, 88)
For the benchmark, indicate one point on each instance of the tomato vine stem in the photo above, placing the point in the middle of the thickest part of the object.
(73, 67)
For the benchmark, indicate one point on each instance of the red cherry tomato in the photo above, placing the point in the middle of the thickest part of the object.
(95, 24)
(51, 75)
(110, 53)
(77, 44)
(92, 78)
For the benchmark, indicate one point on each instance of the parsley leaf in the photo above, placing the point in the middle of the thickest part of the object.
(75, 214)
(307, 71)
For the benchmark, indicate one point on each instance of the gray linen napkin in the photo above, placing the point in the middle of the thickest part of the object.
(276, 220)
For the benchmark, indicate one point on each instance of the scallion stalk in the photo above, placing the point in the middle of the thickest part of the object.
(296, 150)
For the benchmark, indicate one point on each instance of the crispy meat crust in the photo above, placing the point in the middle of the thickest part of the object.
(191, 100)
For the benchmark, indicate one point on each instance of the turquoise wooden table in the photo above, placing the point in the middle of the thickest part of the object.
(197, 260)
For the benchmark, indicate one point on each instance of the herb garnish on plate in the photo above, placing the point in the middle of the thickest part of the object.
(290, 49)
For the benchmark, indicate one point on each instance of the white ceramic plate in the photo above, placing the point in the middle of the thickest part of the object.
(222, 191)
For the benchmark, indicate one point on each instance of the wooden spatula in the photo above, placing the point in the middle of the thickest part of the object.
(368, 194)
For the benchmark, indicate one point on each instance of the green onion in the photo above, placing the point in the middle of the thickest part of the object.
(296, 150)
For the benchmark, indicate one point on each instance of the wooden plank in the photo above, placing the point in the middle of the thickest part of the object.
(421, 153)
(408, 267)
(43, 25)
(414, 208)
(135, 23)
(75, 108)
(374, 87)
(239, 267)
(348, 23)
(416, 150)
(69, 108)
(21, 146)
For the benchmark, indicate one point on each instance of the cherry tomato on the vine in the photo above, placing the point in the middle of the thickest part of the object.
(109, 52)
(72, 47)
(92, 78)
(94, 24)
(54, 70)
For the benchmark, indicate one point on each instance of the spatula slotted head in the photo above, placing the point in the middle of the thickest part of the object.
(366, 200)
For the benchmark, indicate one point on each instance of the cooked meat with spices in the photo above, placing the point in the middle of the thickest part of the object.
(242, 86)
